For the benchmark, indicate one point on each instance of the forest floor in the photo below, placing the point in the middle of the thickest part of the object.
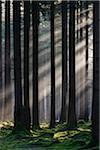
(46, 139)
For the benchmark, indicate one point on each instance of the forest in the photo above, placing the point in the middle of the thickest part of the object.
(49, 75)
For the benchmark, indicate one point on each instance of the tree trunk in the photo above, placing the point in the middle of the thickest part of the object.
(77, 21)
(18, 116)
(72, 123)
(27, 118)
(81, 19)
(1, 96)
(35, 21)
(52, 121)
(7, 96)
(96, 89)
(86, 117)
(64, 61)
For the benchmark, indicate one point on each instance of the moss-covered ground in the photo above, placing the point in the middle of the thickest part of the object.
(46, 139)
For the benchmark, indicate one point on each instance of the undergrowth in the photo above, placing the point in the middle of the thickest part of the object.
(58, 138)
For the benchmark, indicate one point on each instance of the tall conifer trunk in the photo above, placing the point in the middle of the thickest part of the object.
(86, 117)
(7, 96)
(18, 116)
(96, 86)
(1, 96)
(52, 121)
(27, 118)
(64, 61)
(72, 123)
(35, 21)
(81, 19)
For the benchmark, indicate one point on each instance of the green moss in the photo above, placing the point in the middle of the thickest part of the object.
(45, 139)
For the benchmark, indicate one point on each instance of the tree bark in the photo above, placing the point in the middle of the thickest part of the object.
(52, 121)
(27, 118)
(78, 21)
(96, 88)
(18, 116)
(72, 123)
(7, 96)
(1, 96)
(64, 61)
(35, 21)
(86, 117)
(81, 19)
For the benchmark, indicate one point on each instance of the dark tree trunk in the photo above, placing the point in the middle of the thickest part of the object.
(64, 61)
(18, 116)
(96, 88)
(81, 19)
(72, 123)
(77, 21)
(35, 21)
(52, 121)
(1, 96)
(86, 117)
(7, 97)
(27, 118)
